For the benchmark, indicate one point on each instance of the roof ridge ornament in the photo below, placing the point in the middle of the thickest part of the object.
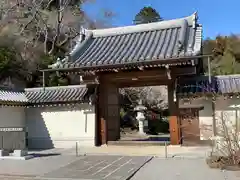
(194, 19)
(56, 64)
(82, 34)
(182, 36)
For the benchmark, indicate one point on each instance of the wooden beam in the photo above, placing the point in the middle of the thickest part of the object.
(153, 73)
(140, 83)
(184, 71)
(168, 72)
(141, 68)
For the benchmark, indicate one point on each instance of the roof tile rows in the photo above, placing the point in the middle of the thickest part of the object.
(228, 84)
(139, 43)
(12, 96)
(59, 94)
(63, 94)
(56, 94)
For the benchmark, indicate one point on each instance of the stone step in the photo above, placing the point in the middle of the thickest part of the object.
(137, 143)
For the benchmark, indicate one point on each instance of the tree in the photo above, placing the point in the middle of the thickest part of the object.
(226, 54)
(147, 15)
(50, 23)
(45, 30)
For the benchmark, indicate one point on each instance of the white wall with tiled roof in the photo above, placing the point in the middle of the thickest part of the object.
(61, 126)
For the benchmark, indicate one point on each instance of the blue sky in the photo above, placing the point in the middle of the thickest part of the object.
(216, 16)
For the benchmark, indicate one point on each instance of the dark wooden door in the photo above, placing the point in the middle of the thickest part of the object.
(190, 131)
(113, 114)
(108, 113)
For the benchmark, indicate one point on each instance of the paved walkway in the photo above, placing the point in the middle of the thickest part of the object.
(100, 167)
(182, 169)
(52, 166)
(35, 167)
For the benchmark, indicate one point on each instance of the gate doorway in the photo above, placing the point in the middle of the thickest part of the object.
(190, 130)
(109, 104)
(155, 125)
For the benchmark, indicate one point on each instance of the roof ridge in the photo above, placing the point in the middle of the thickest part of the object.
(8, 89)
(166, 24)
(54, 88)
(228, 76)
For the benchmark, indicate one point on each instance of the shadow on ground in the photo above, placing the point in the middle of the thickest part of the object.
(44, 154)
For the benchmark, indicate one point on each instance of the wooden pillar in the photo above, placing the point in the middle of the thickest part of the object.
(113, 114)
(101, 121)
(109, 116)
(174, 125)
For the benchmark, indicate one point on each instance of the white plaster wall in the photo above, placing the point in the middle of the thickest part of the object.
(12, 117)
(229, 111)
(205, 117)
(61, 127)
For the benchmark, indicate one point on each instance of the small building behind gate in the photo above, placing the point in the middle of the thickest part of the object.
(207, 103)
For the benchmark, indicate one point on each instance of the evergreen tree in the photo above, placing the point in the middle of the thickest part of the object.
(147, 15)
(226, 54)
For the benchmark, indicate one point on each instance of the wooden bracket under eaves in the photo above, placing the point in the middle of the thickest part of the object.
(168, 71)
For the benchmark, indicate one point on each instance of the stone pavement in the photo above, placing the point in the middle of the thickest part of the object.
(71, 167)
(182, 164)
(34, 167)
(182, 169)
(99, 167)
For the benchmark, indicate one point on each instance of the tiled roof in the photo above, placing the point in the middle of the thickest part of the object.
(12, 96)
(227, 84)
(60, 94)
(142, 43)
(56, 94)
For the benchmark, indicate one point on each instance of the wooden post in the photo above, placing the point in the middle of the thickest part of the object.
(174, 126)
(209, 71)
(43, 80)
(76, 149)
(214, 118)
(102, 125)
(237, 123)
(166, 152)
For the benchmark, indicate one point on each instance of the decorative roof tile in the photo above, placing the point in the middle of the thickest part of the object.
(226, 84)
(137, 44)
